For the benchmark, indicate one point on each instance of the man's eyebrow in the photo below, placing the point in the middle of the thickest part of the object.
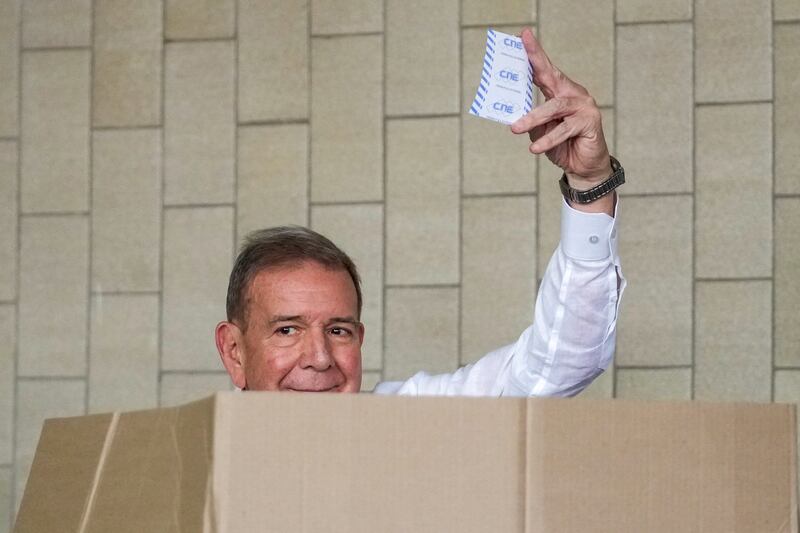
(284, 318)
(346, 319)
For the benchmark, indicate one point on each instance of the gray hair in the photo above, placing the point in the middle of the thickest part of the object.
(278, 247)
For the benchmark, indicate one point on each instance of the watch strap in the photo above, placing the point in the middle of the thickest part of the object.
(616, 179)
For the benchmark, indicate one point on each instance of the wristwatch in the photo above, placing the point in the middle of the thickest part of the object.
(586, 197)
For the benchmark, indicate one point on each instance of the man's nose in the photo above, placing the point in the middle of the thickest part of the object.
(317, 353)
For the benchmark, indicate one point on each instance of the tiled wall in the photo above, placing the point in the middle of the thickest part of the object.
(139, 141)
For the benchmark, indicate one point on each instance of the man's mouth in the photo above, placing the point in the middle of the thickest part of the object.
(329, 389)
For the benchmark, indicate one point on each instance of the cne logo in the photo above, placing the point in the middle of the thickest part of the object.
(503, 107)
(511, 43)
(509, 75)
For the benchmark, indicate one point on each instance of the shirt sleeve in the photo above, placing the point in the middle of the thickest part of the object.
(573, 335)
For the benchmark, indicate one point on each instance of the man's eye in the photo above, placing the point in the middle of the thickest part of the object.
(286, 330)
(340, 332)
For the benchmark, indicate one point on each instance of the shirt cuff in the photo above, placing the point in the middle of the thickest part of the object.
(588, 236)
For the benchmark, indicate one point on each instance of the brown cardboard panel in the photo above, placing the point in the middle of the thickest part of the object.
(369, 464)
(62, 474)
(620, 466)
(156, 472)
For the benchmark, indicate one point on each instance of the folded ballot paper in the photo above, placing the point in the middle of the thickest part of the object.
(505, 92)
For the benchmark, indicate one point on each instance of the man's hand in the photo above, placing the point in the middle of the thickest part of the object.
(566, 127)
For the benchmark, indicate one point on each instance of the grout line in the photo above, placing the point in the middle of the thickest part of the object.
(663, 22)
(460, 300)
(199, 40)
(501, 194)
(772, 144)
(787, 367)
(16, 364)
(161, 210)
(90, 220)
(236, 138)
(51, 214)
(385, 196)
(273, 122)
(10, 138)
(785, 194)
(693, 332)
(125, 293)
(725, 104)
(32, 378)
(28, 49)
(196, 206)
(194, 372)
(322, 203)
(337, 35)
(484, 25)
(139, 127)
(422, 115)
(309, 103)
(785, 22)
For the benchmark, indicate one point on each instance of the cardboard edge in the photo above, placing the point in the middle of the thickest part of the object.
(794, 509)
(111, 432)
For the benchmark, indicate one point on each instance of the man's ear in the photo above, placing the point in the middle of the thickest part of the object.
(229, 345)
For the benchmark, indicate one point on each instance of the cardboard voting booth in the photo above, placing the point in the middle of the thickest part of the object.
(262, 462)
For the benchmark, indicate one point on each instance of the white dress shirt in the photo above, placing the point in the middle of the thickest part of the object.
(571, 340)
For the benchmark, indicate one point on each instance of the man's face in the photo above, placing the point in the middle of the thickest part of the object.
(302, 333)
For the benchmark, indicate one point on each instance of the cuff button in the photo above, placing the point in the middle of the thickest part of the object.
(594, 239)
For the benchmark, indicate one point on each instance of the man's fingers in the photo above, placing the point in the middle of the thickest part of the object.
(560, 133)
(546, 76)
(550, 110)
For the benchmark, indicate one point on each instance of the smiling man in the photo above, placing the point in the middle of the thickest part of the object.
(294, 299)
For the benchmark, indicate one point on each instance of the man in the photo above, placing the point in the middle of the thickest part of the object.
(294, 299)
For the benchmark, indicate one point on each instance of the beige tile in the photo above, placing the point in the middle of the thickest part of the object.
(55, 131)
(56, 23)
(347, 119)
(8, 220)
(494, 159)
(422, 201)
(733, 348)
(655, 323)
(502, 12)
(123, 366)
(655, 107)
(273, 177)
(126, 210)
(198, 255)
(787, 108)
(273, 60)
(579, 38)
(53, 296)
(498, 289)
(8, 333)
(369, 380)
(733, 50)
(549, 197)
(9, 66)
(786, 9)
(787, 390)
(358, 230)
(422, 61)
(199, 129)
(6, 494)
(38, 400)
(199, 19)
(128, 41)
(421, 331)
(654, 383)
(645, 10)
(349, 16)
(602, 387)
(178, 388)
(787, 284)
(734, 178)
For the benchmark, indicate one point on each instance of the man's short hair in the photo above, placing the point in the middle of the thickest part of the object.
(280, 247)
